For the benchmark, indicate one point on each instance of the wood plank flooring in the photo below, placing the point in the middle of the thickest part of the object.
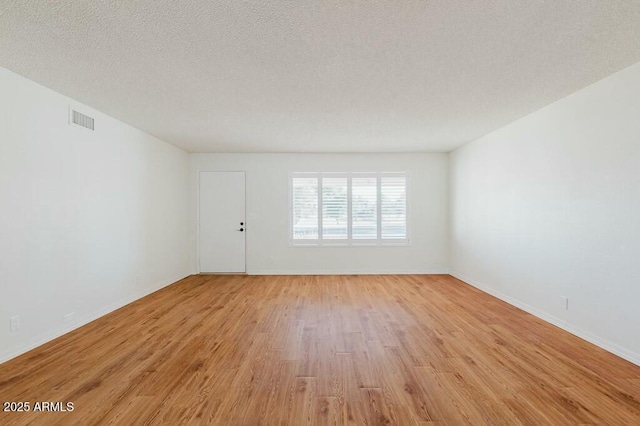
(322, 350)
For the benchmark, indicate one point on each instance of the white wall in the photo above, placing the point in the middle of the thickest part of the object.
(549, 206)
(268, 248)
(88, 220)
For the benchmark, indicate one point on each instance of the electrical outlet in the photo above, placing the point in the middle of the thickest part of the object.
(14, 323)
(69, 317)
(564, 302)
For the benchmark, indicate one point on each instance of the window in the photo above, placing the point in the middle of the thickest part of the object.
(348, 208)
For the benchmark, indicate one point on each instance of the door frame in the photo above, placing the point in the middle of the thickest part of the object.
(198, 269)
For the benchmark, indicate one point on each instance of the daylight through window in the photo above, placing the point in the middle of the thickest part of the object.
(348, 208)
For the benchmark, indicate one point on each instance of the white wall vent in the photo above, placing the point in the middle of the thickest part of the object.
(79, 119)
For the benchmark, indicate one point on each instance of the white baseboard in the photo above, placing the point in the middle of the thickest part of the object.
(615, 349)
(79, 322)
(438, 271)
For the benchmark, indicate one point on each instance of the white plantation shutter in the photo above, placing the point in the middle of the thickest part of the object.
(393, 207)
(348, 208)
(364, 208)
(305, 207)
(334, 208)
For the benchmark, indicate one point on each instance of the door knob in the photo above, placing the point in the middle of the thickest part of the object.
(241, 229)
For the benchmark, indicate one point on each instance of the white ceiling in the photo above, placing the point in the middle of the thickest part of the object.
(318, 76)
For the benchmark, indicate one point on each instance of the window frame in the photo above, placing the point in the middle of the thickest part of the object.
(349, 241)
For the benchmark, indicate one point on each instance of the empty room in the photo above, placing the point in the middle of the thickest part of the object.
(320, 213)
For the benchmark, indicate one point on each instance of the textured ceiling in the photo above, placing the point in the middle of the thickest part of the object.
(318, 76)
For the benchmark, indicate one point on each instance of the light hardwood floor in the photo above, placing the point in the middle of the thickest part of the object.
(292, 350)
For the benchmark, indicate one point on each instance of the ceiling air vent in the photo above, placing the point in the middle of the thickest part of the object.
(79, 119)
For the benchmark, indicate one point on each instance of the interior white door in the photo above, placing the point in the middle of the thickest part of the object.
(222, 222)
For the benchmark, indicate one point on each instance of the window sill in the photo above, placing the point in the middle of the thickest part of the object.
(357, 245)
